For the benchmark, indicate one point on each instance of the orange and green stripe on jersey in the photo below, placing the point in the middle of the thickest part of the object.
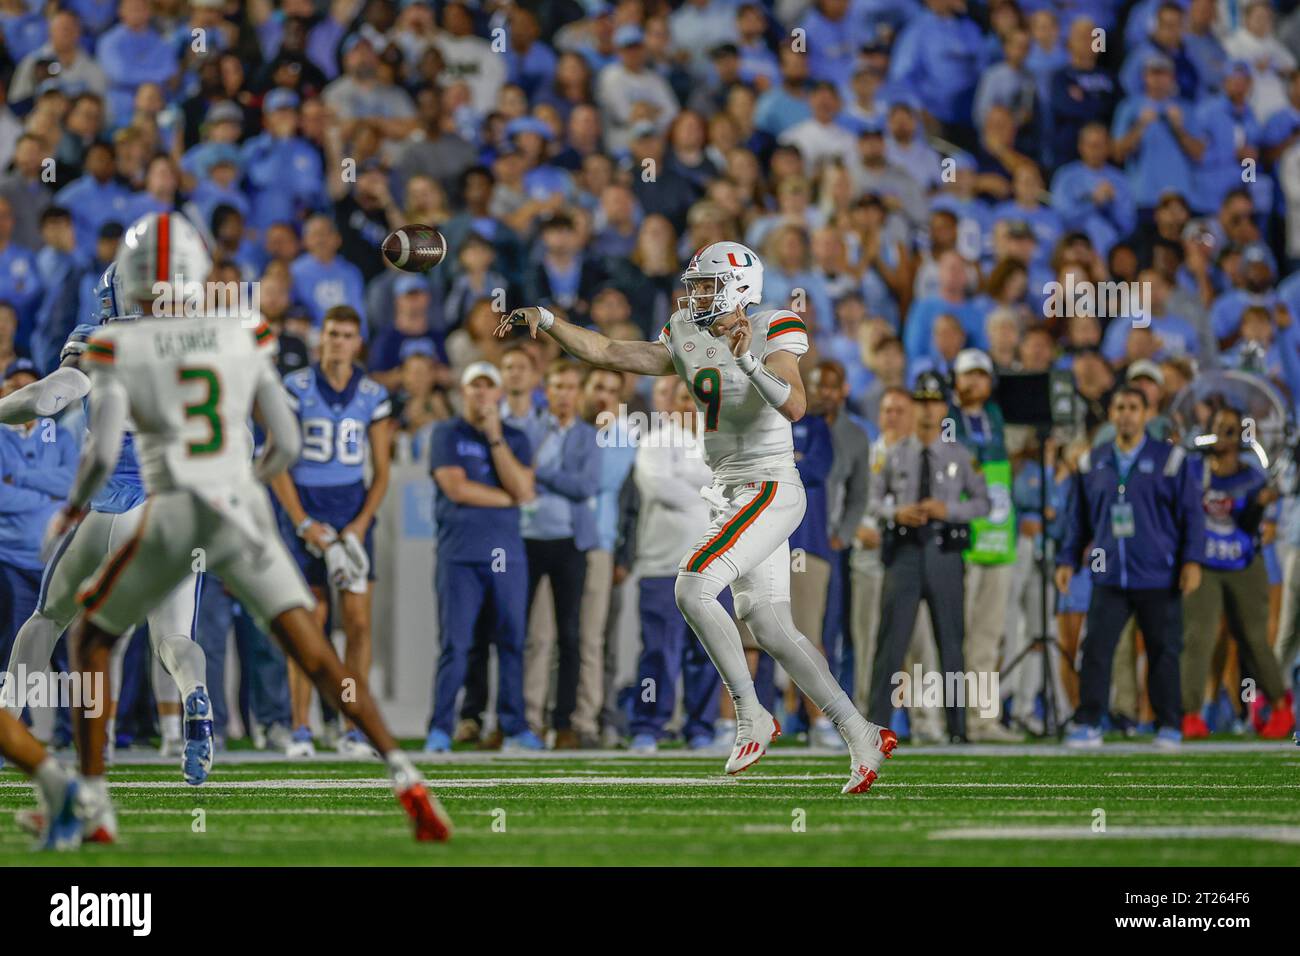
(100, 350)
(93, 596)
(730, 532)
(785, 325)
(263, 334)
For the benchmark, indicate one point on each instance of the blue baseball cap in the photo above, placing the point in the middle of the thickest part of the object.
(1238, 68)
(356, 39)
(1156, 60)
(406, 284)
(20, 365)
(529, 124)
(1257, 252)
(224, 111)
(420, 346)
(281, 98)
(629, 34)
(217, 153)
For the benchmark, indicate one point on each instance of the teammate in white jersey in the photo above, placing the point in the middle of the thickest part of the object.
(114, 514)
(744, 373)
(191, 386)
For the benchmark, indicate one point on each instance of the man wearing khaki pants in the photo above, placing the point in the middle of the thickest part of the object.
(990, 563)
(601, 392)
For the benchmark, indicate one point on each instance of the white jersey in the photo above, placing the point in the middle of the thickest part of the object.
(745, 439)
(191, 385)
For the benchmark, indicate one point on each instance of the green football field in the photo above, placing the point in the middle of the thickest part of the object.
(1208, 805)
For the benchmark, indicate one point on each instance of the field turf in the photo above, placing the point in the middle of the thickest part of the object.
(933, 806)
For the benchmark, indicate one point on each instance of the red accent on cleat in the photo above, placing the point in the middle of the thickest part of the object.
(777, 724)
(101, 835)
(431, 822)
(888, 741)
(868, 778)
(1194, 727)
(1278, 726)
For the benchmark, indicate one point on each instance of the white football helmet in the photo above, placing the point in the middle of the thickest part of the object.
(721, 278)
(160, 247)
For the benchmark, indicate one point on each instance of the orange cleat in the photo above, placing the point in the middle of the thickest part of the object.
(432, 824)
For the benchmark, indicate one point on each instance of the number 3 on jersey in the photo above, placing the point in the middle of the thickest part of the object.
(708, 392)
(206, 409)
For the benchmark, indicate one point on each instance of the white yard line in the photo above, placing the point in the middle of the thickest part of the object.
(747, 782)
(1272, 834)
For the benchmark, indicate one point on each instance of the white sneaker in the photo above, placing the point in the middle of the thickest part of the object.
(300, 744)
(869, 745)
(278, 737)
(257, 733)
(825, 735)
(171, 747)
(99, 819)
(355, 747)
(752, 737)
(992, 732)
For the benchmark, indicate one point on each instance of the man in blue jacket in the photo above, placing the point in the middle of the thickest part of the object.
(37, 463)
(559, 528)
(1136, 518)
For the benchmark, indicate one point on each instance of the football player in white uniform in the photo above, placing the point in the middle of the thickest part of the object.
(743, 371)
(114, 514)
(191, 387)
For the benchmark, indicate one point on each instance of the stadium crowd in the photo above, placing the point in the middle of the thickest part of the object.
(921, 178)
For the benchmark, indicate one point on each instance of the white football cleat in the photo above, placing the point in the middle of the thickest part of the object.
(171, 747)
(869, 745)
(301, 744)
(752, 737)
(355, 746)
(98, 818)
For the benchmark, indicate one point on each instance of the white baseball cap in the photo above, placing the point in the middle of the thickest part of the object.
(1145, 368)
(972, 360)
(480, 370)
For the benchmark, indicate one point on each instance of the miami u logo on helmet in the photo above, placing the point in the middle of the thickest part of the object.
(749, 260)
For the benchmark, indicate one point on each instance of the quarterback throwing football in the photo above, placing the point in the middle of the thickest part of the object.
(744, 374)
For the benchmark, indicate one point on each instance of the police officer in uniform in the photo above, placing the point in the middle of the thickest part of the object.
(924, 497)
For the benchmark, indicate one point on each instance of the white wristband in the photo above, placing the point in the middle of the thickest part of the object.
(774, 390)
(547, 319)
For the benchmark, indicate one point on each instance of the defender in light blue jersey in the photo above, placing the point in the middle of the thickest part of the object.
(328, 509)
(114, 516)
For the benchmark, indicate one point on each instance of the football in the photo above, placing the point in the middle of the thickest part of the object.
(415, 247)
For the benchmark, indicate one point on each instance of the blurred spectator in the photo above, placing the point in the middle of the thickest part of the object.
(411, 322)
(559, 530)
(131, 53)
(37, 463)
(321, 278)
(20, 279)
(60, 267)
(62, 61)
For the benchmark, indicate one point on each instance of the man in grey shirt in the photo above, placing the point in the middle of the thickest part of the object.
(846, 501)
(927, 492)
